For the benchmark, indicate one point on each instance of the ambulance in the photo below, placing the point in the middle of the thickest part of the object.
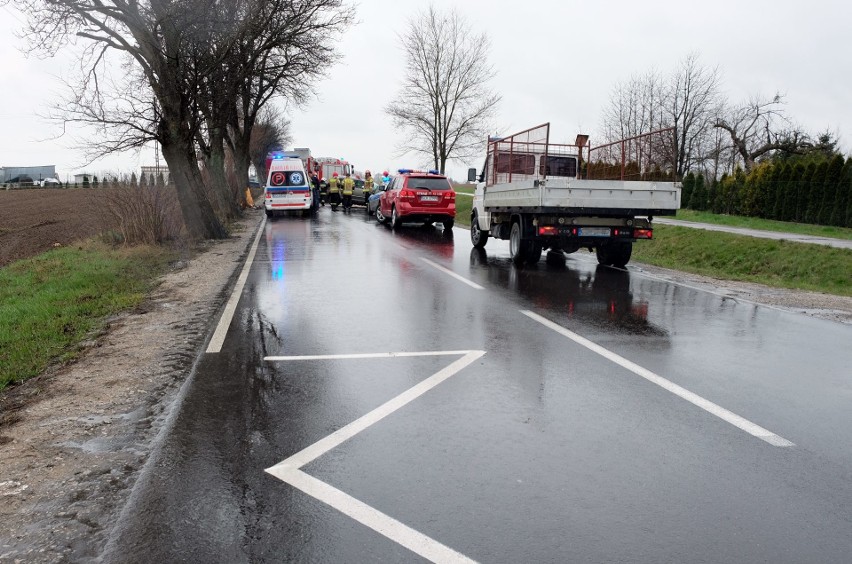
(288, 187)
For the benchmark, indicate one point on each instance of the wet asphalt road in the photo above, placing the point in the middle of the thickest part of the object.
(567, 414)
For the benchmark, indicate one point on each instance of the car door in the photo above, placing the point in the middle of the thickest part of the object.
(387, 199)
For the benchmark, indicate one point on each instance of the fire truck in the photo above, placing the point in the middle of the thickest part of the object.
(325, 167)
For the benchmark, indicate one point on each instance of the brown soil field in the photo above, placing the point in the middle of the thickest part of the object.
(35, 220)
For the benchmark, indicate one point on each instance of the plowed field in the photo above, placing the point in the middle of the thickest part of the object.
(33, 221)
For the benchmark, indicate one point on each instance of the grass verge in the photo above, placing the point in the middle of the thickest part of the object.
(765, 224)
(49, 304)
(735, 257)
(463, 206)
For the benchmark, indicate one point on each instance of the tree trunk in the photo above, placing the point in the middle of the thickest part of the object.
(241, 168)
(226, 203)
(201, 222)
(240, 138)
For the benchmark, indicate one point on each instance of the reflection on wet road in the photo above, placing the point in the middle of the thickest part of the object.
(413, 399)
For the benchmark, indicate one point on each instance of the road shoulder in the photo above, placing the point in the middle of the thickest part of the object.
(73, 440)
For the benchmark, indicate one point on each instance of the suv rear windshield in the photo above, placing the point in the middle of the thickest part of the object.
(428, 183)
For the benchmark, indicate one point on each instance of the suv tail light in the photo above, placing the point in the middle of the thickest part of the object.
(407, 195)
(450, 195)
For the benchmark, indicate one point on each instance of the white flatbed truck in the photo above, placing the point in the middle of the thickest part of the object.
(562, 198)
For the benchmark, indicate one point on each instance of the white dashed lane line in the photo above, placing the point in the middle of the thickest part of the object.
(453, 274)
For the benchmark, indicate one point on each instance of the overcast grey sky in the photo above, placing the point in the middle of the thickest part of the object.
(556, 61)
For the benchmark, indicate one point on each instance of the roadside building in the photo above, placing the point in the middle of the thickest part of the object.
(150, 173)
(26, 174)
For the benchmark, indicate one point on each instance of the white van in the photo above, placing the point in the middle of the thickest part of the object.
(288, 188)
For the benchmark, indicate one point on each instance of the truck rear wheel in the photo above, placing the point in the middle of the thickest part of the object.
(534, 252)
(621, 254)
(615, 254)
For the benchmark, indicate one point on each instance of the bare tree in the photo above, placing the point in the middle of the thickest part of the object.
(760, 126)
(285, 48)
(155, 34)
(691, 103)
(634, 107)
(198, 73)
(444, 103)
(688, 100)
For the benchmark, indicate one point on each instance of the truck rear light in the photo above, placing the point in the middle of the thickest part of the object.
(548, 230)
(643, 233)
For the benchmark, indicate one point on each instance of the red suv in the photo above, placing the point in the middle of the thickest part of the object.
(417, 196)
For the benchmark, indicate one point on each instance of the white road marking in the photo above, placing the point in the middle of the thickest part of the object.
(411, 539)
(289, 470)
(221, 332)
(363, 355)
(451, 273)
(707, 405)
(345, 433)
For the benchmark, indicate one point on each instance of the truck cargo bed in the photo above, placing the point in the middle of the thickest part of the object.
(569, 195)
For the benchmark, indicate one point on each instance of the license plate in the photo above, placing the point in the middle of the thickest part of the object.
(593, 232)
(429, 198)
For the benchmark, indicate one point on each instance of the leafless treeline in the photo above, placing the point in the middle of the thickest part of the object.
(193, 75)
(712, 135)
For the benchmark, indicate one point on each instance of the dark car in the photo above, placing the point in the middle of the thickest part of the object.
(418, 196)
(373, 199)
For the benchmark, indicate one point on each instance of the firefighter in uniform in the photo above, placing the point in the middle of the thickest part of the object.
(368, 189)
(368, 186)
(333, 192)
(348, 186)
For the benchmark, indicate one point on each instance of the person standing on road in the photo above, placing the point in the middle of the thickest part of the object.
(333, 192)
(368, 186)
(315, 189)
(348, 186)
